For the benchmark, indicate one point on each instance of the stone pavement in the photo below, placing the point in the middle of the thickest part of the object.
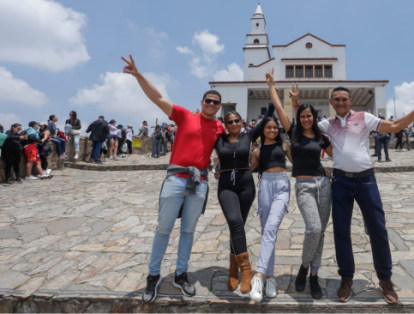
(81, 243)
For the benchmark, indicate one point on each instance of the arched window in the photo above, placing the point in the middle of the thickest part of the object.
(256, 41)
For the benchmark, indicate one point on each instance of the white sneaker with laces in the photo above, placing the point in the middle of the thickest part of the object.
(48, 172)
(256, 294)
(31, 177)
(76, 156)
(271, 288)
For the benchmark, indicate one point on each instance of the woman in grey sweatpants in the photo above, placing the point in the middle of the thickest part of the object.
(313, 188)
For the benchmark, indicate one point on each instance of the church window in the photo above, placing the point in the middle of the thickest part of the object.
(299, 71)
(256, 41)
(309, 71)
(257, 24)
(289, 72)
(309, 45)
(318, 71)
(328, 71)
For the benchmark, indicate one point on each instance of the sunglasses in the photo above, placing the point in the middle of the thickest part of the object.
(230, 122)
(209, 101)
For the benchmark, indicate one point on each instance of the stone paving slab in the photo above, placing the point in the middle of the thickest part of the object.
(84, 236)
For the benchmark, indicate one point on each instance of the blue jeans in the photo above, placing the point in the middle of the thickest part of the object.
(377, 145)
(173, 195)
(96, 149)
(383, 142)
(60, 144)
(76, 137)
(365, 192)
(156, 147)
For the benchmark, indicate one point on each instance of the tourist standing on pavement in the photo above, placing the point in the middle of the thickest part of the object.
(129, 134)
(383, 140)
(236, 193)
(313, 188)
(273, 199)
(186, 183)
(99, 131)
(11, 151)
(113, 139)
(60, 143)
(156, 142)
(354, 179)
(407, 141)
(399, 136)
(73, 127)
(44, 148)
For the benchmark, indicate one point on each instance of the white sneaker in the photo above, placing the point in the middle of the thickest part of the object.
(271, 288)
(76, 156)
(256, 294)
(44, 176)
(48, 172)
(31, 177)
(65, 156)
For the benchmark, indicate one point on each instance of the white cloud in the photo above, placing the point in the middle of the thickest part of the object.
(404, 100)
(7, 119)
(41, 33)
(184, 50)
(208, 43)
(153, 40)
(17, 90)
(120, 95)
(233, 73)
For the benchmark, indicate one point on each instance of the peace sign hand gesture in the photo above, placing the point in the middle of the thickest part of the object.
(270, 77)
(294, 94)
(131, 68)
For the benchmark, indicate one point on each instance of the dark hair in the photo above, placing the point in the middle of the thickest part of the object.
(315, 128)
(73, 118)
(341, 88)
(227, 115)
(1, 129)
(262, 136)
(51, 117)
(14, 126)
(212, 92)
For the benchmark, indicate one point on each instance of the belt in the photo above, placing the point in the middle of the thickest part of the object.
(233, 173)
(363, 174)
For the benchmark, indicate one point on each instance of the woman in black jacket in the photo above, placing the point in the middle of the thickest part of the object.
(236, 192)
(12, 153)
(72, 127)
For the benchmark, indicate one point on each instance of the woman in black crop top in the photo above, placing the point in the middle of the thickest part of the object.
(274, 195)
(236, 193)
(313, 189)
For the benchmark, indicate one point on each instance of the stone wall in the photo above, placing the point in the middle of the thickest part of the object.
(84, 154)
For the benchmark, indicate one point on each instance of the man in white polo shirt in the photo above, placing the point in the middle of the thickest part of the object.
(354, 179)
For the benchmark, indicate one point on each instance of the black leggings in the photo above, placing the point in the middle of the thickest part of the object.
(129, 143)
(399, 142)
(235, 201)
(12, 155)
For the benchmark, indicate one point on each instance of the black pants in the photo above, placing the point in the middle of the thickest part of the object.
(129, 143)
(399, 142)
(120, 144)
(12, 156)
(44, 162)
(235, 201)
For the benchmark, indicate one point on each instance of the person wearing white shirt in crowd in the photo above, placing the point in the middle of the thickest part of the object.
(354, 180)
(129, 134)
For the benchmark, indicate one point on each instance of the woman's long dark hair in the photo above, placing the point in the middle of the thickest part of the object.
(299, 128)
(73, 118)
(262, 138)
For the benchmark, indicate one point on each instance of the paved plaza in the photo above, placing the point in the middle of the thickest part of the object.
(88, 234)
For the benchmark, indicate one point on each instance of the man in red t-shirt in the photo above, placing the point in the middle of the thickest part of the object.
(186, 184)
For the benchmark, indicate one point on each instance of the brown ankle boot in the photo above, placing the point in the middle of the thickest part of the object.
(246, 272)
(233, 282)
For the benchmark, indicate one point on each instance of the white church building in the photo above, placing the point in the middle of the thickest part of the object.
(318, 67)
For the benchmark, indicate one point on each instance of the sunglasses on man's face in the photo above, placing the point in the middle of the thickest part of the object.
(230, 122)
(209, 101)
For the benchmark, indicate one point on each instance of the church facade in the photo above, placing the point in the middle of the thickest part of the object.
(318, 67)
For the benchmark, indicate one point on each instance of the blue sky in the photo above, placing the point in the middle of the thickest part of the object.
(58, 56)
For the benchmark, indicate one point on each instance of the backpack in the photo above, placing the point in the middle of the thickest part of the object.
(382, 135)
(45, 149)
(158, 135)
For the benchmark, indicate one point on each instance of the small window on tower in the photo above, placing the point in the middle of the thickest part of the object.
(328, 71)
(309, 45)
(309, 71)
(299, 71)
(318, 71)
(289, 72)
(257, 24)
(256, 41)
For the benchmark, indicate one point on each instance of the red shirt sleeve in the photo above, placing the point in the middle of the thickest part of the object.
(178, 114)
(221, 128)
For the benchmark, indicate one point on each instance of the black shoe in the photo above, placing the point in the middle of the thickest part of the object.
(18, 180)
(98, 162)
(152, 286)
(375, 155)
(387, 160)
(9, 181)
(379, 159)
(316, 290)
(91, 161)
(182, 282)
(300, 282)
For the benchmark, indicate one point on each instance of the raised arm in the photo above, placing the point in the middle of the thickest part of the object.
(397, 125)
(276, 100)
(294, 95)
(152, 93)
